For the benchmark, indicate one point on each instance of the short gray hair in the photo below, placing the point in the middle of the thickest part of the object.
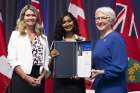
(107, 11)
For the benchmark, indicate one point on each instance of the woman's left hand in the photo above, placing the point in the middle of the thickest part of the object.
(54, 53)
(95, 73)
(39, 79)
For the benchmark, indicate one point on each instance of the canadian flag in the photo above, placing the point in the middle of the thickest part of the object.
(5, 70)
(77, 9)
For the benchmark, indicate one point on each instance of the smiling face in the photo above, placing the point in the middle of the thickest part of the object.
(68, 24)
(30, 18)
(103, 22)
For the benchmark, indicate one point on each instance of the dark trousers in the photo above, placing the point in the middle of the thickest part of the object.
(18, 85)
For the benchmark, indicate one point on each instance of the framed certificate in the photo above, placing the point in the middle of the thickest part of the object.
(74, 59)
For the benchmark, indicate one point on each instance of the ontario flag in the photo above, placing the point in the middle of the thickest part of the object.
(128, 23)
(5, 70)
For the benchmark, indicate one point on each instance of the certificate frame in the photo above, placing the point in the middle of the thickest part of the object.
(68, 64)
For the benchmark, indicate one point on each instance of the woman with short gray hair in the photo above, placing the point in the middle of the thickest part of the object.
(109, 55)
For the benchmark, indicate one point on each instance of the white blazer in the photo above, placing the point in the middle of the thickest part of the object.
(20, 52)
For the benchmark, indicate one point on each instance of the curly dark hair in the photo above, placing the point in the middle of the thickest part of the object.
(60, 31)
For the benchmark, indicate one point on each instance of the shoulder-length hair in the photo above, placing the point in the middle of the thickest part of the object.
(21, 26)
(60, 31)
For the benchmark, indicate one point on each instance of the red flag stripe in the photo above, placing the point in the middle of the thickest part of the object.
(3, 48)
(83, 27)
(133, 86)
(77, 3)
(4, 82)
(5, 71)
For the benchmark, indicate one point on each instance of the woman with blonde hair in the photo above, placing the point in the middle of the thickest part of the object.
(28, 53)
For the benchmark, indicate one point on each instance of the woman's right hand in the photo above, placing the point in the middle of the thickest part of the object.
(32, 81)
(54, 53)
(96, 72)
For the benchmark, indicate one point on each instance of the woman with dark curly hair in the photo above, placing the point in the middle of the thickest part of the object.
(67, 27)
(67, 30)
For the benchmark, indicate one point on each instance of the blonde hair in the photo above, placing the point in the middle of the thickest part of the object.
(107, 11)
(21, 26)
